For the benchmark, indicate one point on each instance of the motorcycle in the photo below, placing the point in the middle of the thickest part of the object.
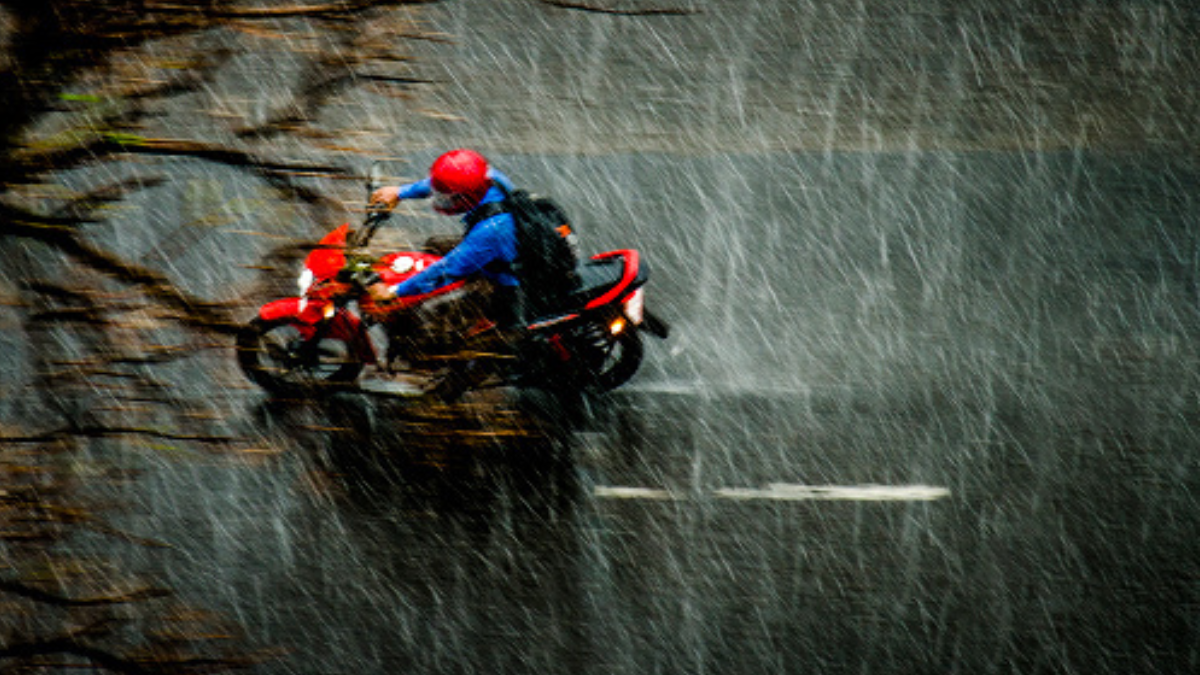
(322, 339)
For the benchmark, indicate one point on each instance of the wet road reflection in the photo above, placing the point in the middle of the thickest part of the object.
(502, 536)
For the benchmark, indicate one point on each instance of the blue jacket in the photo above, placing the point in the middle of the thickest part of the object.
(489, 248)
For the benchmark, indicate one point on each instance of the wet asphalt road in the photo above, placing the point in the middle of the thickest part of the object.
(930, 405)
(921, 413)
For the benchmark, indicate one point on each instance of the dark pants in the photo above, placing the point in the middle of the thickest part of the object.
(493, 351)
(505, 308)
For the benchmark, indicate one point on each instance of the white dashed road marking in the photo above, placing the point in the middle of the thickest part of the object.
(791, 492)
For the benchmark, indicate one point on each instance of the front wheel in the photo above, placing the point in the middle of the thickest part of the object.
(276, 356)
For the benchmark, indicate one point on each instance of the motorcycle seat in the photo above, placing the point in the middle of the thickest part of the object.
(596, 277)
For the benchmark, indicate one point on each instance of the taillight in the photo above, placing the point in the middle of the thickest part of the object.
(635, 305)
(617, 326)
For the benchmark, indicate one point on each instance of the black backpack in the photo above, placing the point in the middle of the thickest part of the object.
(547, 256)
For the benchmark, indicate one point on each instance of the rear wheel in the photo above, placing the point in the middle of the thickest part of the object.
(613, 360)
(276, 356)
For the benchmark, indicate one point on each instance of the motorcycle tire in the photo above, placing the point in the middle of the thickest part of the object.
(616, 361)
(269, 353)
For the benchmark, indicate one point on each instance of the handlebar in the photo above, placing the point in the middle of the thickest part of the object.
(358, 276)
(377, 214)
(374, 178)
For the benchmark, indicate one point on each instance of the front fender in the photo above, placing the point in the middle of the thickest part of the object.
(281, 309)
(304, 311)
(306, 314)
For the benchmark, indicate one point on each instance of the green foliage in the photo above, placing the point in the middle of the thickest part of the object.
(122, 138)
(80, 98)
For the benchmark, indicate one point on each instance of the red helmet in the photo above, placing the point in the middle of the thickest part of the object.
(460, 180)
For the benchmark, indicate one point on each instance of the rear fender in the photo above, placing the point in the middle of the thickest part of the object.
(629, 276)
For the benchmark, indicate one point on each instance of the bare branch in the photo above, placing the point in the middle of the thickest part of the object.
(81, 208)
(61, 233)
(334, 10)
(33, 593)
(222, 154)
(579, 6)
(314, 96)
(127, 665)
(103, 431)
(278, 173)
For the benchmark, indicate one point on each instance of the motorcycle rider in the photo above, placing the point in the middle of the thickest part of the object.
(461, 182)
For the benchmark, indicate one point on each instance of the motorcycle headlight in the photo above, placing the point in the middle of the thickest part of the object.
(305, 281)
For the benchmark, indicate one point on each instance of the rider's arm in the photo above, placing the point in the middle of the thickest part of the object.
(418, 190)
(488, 241)
(390, 195)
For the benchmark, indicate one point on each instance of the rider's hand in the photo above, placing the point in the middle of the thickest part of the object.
(387, 196)
(380, 292)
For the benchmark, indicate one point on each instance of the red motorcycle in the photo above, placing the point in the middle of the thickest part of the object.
(325, 337)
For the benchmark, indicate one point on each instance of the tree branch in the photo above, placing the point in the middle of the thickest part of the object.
(335, 9)
(81, 208)
(219, 153)
(579, 6)
(61, 233)
(33, 593)
(104, 431)
(116, 663)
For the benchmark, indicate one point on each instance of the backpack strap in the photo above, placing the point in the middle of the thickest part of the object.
(485, 211)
